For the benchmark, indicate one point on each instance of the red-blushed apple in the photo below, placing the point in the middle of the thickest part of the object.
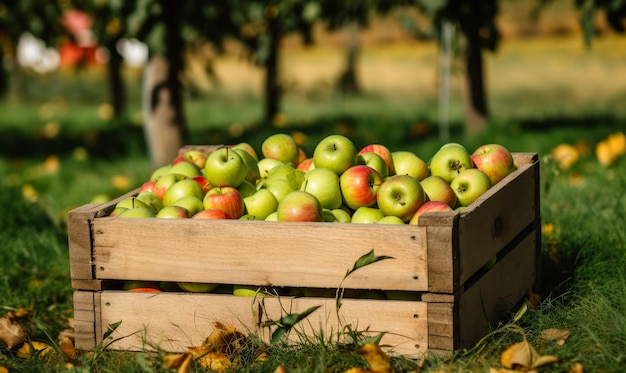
(301, 156)
(227, 199)
(147, 186)
(248, 148)
(204, 183)
(192, 204)
(282, 147)
(261, 204)
(224, 167)
(401, 196)
(164, 182)
(449, 161)
(145, 290)
(359, 185)
(305, 165)
(375, 161)
(299, 206)
(384, 152)
(212, 214)
(324, 185)
(182, 188)
(429, 206)
(495, 160)
(252, 168)
(437, 189)
(186, 168)
(178, 159)
(469, 185)
(130, 285)
(366, 215)
(390, 219)
(197, 157)
(173, 212)
(408, 163)
(335, 152)
(150, 199)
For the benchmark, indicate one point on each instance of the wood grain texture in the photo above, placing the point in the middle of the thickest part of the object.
(260, 253)
(176, 321)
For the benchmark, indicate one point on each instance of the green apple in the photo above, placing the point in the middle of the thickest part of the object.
(470, 184)
(192, 204)
(335, 152)
(272, 217)
(390, 220)
(401, 196)
(375, 161)
(266, 165)
(183, 188)
(197, 287)
(299, 206)
(225, 167)
(163, 183)
(137, 212)
(408, 163)
(248, 148)
(247, 291)
(160, 171)
(151, 200)
(328, 216)
(341, 215)
(324, 185)
(131, 202)
(366, 215)
(252, 168)
(261, 204)
(173, 212)
(188, 169)
(246, 188)
(282, 147)
(437, 189)
(449, 161)
(290, 174)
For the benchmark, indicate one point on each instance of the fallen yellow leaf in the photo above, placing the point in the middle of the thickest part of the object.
(3, 369)
(11, 334)
(577, 368)
(377, 359)
(28, 349)
(565, 155)
(557, 335)
(224, 338)
(604, 154)
(523, 357)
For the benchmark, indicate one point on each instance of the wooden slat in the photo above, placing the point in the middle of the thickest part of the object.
(440, 247)
(440, 326)
(493, 296)
(260, 253)
(84, 320)
(496, 219)
(176, 321)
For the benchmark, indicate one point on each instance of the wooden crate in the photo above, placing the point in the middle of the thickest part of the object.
(451, 299)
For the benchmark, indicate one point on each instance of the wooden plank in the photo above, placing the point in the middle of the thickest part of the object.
(260, 253)
(84, 320)
(176, 321)
(496, 218)
(440, 326)
(493, 296)
(440, 247)
(79, 241)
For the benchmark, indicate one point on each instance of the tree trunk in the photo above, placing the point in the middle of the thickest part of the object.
(476, 109)
(165, 128)
(116, 83)
(272, 82)
(348, 81)
(162, 128)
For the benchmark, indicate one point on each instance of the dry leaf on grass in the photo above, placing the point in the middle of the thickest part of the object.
(30, 348)
(11, 334)
(375, 357)
(3, 369)
(577, 368)
(523, 357)
(557, 335)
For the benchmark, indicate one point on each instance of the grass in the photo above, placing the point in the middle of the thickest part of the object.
(58, 154)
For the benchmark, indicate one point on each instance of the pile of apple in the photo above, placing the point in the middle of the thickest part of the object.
(338, 183)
